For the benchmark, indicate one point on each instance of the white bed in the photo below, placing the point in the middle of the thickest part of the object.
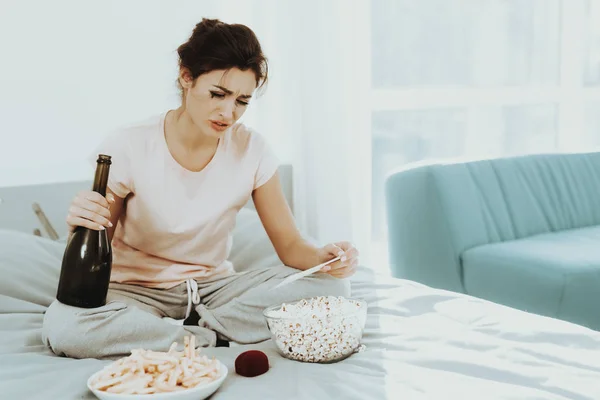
(421, 343)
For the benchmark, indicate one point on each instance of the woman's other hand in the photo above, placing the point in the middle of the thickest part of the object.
(346, 266)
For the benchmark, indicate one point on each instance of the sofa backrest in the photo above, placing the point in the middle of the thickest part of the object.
(512, 198)
(471, 203)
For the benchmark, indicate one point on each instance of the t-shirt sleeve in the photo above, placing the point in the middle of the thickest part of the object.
(267, 162)
(117, 146)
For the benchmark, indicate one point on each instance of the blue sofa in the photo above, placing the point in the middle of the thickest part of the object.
(519, 231)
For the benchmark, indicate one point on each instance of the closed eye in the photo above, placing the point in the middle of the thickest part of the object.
(222, 95)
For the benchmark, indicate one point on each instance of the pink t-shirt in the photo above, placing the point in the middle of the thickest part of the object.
(177, 224)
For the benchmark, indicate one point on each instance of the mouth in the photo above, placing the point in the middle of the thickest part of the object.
(218, 125)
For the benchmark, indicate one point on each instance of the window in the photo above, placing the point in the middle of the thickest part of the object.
(464, 42)
(480, 78)
(591, 37)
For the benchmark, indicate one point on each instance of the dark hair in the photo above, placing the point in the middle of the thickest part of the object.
(216, 45)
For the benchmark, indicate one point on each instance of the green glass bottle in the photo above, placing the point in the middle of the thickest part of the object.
(87, 260)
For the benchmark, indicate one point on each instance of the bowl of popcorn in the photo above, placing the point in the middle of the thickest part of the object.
(321, 329)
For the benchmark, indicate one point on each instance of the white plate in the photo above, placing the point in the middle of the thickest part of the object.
(198, 393)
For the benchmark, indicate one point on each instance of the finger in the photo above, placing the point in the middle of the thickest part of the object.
(94, 197)
(339, 269)
(337, 265)
(344, 245)
(351, 253)
(329, 267)
(94, 207)
(110, 198)
(342, 272)
(334, 250)
(345, 261)
(77, 221)
(90, 216)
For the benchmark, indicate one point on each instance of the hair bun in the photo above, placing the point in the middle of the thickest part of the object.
(208, 23)
(196, 40)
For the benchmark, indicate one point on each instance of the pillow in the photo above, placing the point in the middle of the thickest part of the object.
(29, 267)
(251, 248)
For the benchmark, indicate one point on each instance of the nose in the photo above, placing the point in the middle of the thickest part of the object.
(227, 110)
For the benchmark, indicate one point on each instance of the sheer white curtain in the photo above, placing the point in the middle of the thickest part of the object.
(317, 107)
(332, 127)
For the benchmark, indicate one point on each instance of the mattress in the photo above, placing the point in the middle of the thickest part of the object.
(420, 343)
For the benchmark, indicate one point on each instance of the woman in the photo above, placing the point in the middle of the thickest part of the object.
(176, 184)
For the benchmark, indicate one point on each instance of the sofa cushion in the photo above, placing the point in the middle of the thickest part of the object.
(553, 274)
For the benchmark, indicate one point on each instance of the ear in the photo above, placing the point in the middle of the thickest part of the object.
(185, 78)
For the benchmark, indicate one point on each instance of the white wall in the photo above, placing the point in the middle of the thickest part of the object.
(72, 70)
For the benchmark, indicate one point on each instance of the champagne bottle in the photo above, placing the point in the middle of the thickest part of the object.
(87, 260)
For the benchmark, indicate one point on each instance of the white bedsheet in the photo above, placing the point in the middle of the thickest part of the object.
(421, 343)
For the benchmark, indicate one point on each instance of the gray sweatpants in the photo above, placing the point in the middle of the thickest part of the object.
(229, 308)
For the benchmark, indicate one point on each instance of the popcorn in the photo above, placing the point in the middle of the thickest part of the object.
(321, 329)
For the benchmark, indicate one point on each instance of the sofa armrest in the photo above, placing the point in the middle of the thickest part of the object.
(420, 243)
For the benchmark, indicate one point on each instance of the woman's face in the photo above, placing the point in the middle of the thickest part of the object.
(217, 99)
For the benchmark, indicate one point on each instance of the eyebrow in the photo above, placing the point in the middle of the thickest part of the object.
(245, 96)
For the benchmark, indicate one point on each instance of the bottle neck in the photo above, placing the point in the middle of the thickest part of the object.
(101, 178)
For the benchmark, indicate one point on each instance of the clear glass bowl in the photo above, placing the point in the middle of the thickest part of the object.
(318, 339)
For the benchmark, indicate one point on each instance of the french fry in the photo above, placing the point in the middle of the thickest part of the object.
(149, 390)
(172, 348)
(115, 381)
(148, 372)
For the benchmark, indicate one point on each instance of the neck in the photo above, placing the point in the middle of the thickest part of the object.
(186, 133)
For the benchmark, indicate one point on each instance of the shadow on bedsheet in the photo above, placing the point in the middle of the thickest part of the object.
(376, 365)
(437, 344)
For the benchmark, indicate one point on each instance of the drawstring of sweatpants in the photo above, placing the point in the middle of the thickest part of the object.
(193, 296)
